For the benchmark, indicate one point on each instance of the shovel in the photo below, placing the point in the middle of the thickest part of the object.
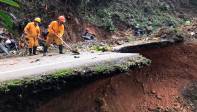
(72, 50)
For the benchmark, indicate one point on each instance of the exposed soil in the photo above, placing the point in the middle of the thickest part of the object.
(157, 88)
(190, 93)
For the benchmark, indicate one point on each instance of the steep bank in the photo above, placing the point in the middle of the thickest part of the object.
(33, 86)
(157, 88)
(103, 16)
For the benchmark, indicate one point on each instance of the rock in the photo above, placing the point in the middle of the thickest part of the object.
(192, 33)
(188, 23)
(119, 42)
(76, 56)
(1, 30)
(40, 48)
(158, 109)
(153, 92)
(150, 109)
(13, 52)
(37, 60)
(158, 97)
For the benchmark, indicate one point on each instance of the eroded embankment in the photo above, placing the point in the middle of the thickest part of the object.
(25, 94)
(157, 88)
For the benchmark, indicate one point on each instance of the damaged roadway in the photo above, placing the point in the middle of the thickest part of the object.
(16, 68)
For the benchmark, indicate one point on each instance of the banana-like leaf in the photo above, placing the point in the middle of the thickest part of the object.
(10, 2)
(6, 20)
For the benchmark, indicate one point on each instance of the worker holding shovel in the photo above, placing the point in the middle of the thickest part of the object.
(32, 33)
(55, 33)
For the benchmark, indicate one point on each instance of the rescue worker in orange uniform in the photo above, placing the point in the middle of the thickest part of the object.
(32, 33)
(55, 33)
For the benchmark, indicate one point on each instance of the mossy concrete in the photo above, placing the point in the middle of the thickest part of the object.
(144, 45)
(71, 76)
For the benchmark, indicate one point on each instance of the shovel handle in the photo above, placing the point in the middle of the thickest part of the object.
(64, 42)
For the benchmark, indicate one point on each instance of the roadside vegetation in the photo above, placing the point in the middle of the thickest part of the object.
(66, 76)
(6, 19)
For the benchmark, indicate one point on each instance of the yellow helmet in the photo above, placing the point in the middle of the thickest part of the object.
(37, 19)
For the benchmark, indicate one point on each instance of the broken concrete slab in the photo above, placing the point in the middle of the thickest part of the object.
(28, 66)
(60, 71)
(137, 46)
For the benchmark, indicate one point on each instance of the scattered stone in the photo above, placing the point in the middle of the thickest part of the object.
(188, 23)
(190, 95)
(94, 57)
(101, 104)
(40, 48)
(1, 30)
(37, 60)
(119, 42)
(158, 109)
(76, 56)
(150, 109)
(158, 97)
(192, 33)
(153, 92)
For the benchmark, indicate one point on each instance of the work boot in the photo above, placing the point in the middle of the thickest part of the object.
(44, 54)
(30, 51)
(34, 50)
(45, 48)
(61, 49)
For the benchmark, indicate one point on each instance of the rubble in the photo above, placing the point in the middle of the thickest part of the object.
(190, 30)
(7, 43)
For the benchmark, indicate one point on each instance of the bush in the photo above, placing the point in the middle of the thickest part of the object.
(5, 18)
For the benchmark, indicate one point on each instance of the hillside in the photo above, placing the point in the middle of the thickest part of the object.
(104, 16)
(99, 74)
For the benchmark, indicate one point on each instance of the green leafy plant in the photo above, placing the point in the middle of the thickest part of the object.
(6, 19)
(10, 2)
(102, 48)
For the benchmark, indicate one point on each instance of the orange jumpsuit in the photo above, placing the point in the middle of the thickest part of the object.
(32, 33)
(55, 30)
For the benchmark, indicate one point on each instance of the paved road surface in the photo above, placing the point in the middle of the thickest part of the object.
(14, 68)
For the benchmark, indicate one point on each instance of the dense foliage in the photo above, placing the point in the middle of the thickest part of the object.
(5, 18)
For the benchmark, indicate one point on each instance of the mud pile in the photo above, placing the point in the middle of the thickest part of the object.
(158, 88)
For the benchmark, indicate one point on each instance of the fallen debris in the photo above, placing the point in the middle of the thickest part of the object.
(76, 56)
(37, 60)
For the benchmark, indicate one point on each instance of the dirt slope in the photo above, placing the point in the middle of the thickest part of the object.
(157, 88)
(102, 16)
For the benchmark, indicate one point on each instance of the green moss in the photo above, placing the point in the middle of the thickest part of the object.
(6, 86)
(12, 84)
(57, 77)
(101, 48)
(62, 73)
(15, 83)
(103, 69)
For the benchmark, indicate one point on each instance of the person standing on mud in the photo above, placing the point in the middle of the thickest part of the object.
(32, 33)
(55, 33)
